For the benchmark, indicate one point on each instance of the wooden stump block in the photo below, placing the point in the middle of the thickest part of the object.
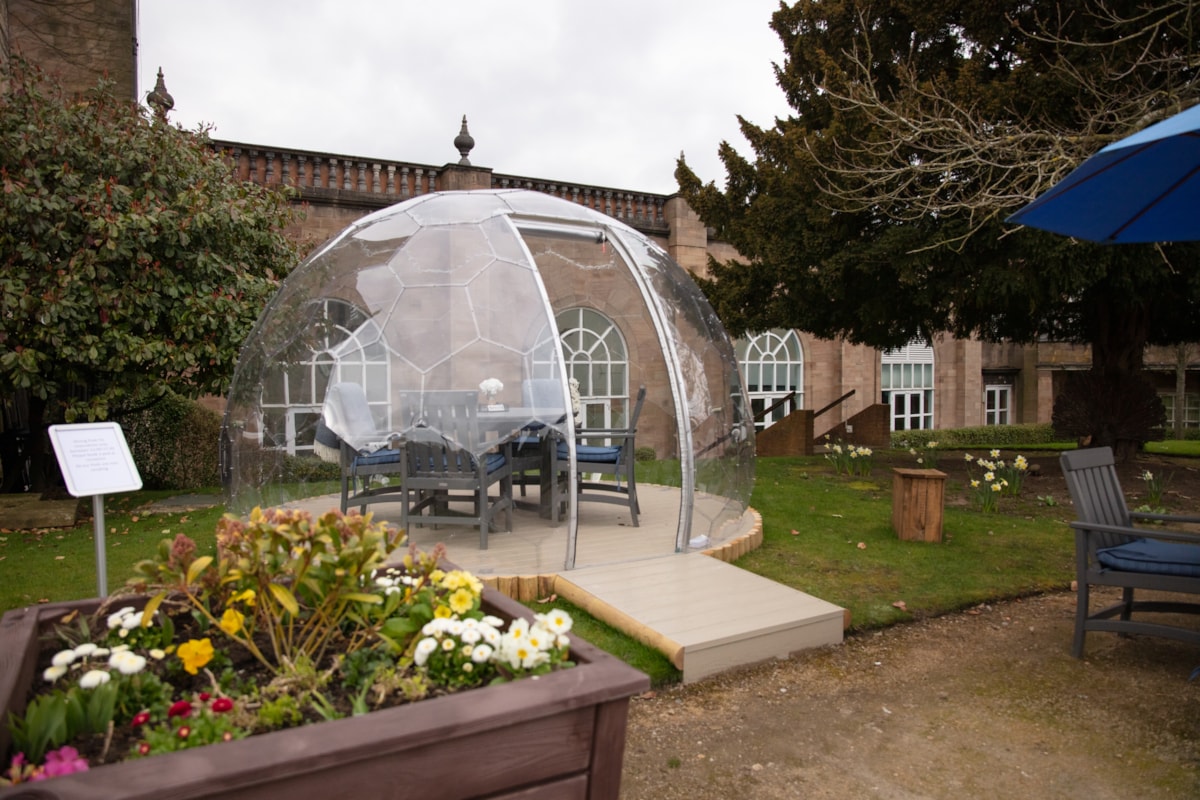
(918, 498)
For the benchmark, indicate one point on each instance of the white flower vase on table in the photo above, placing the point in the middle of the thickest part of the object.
(492, 387)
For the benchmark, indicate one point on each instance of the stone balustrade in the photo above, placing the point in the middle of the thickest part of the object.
(367, 182)
(636, 209)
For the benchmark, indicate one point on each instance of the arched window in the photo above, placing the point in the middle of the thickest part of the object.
(595, 354)
(906, 377)
(772, 366)
(344, 345)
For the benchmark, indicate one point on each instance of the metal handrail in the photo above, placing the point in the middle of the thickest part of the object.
(839, 401)
(788, 398)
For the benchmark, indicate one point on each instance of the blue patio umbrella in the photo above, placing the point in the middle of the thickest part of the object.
(1144, 188)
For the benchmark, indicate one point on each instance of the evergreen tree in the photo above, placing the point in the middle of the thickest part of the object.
(875, 212)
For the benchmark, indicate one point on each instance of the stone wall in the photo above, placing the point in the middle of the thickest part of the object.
(76, 42)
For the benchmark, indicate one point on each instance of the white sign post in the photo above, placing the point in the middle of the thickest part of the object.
(95, 461)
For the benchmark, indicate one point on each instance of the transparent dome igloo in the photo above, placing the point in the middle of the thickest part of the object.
(472, 290)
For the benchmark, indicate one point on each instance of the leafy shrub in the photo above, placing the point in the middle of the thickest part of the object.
(645, 454)
(1008, 436)
(307, 469)
(174, 443)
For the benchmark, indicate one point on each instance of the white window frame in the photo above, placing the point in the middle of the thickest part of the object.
(907, 378)
(997, 404)
(772, 366)
(342, 354)
(596, 355)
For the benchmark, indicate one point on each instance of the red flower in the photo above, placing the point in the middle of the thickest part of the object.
(181, 708)
(185, 732)
(144, 748)
(221, 705)
(204, 697)
(140, 719)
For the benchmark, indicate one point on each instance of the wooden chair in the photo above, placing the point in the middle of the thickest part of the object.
(439, 466)
(1110, 551)
(614, 460)
(368, 457)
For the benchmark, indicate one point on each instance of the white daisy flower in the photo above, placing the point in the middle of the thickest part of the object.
(127, 662)
(63, 658)
(93, 678)
(425, 648)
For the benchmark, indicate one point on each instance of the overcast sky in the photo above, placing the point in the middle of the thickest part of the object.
(599, 93)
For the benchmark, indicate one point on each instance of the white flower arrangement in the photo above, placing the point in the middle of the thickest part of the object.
(491, 387)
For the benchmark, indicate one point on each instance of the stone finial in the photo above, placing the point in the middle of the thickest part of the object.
(463, 143)
(160, 99)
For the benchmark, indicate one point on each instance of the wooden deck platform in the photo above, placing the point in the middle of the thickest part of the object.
(702, 613)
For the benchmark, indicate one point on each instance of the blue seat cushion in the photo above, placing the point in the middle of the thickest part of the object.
(382, 456)
(590, 453)
(1153, 556)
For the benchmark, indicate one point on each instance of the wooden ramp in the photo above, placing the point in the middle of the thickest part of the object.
(704, 614)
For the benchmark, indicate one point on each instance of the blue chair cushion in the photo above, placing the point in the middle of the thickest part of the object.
(382, 456)
(590, 453)
(1153, 556)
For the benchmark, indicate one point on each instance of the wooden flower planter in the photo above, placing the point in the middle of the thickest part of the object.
(557, 736)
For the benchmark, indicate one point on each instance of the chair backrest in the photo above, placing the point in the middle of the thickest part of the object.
(1096, 491)
(452, 413)
(348, 415)
(637, 408)
(442, 434)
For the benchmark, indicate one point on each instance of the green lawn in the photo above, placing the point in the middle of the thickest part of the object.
(832, 537)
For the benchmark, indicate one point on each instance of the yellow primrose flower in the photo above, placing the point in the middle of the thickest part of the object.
(442, 612)
(461, 600)
(232, 620)
(195, 654)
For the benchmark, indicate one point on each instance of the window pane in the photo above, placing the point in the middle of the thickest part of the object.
(619, 381)
(376, 383)
(273, 393)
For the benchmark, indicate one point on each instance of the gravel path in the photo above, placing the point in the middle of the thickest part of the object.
(982, 704)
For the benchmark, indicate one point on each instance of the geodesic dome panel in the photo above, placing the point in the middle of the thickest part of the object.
(463, 291)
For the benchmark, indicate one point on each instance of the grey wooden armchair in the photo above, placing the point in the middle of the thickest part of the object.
(439, 465)
(1111, 551)
(613, 461)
